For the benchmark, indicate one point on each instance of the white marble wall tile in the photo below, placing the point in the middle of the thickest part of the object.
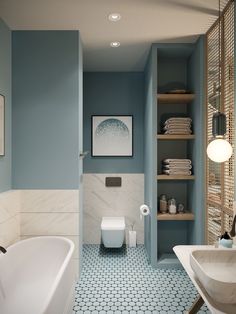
(46, 201)
(100, 201)
(9, 204)
(10, 231)
(49, 224)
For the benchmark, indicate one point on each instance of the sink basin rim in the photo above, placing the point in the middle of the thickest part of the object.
(223, 250)
(216, 288)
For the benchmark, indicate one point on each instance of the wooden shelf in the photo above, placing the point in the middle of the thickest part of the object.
(175, 98)
(184, 216)
(174, 177)
(175, 137)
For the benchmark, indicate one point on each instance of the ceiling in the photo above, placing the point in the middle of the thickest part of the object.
(143, 22)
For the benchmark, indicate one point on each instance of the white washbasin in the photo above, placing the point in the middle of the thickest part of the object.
(216, 270)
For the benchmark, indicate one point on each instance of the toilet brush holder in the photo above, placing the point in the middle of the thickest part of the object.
(132, 238)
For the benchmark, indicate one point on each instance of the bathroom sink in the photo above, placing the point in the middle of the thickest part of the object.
(216, 270)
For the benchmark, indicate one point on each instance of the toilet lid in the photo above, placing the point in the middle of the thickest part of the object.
(113, 223)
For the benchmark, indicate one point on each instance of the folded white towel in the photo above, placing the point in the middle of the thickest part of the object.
(178, 132)
(176, 160)
(176, 126)
(178, 166)
(179, 119)
(176, 172)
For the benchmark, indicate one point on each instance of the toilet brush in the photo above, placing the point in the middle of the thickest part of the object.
(132, 236)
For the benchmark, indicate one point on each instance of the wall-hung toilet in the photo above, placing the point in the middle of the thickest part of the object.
(113, 231)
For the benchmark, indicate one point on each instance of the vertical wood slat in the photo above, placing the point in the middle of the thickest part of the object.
(220, 96)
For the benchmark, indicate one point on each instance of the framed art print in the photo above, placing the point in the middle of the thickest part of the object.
(112, 136)
(2, 125)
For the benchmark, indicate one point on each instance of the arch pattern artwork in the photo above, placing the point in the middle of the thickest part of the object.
(112, 136)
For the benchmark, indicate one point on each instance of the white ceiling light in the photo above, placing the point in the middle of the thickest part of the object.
(115, 44)
(114, 17)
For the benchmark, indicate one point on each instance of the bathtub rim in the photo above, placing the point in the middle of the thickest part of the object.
(65, 263)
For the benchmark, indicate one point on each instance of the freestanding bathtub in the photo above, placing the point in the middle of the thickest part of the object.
(37, 276)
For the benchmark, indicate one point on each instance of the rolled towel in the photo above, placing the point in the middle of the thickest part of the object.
(177, 172)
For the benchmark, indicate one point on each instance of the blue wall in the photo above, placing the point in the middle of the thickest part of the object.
(150, 156)
(5, 89)
(45, 109)
(114, 94)
(197, 82)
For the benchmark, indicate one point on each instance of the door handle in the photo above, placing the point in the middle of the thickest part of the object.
(83, 154)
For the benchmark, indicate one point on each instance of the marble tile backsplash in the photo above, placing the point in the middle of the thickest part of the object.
(51, 212)
(9, 217)
(100, 201)
(27, 213)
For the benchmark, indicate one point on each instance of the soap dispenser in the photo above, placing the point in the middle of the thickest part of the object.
(226, 241)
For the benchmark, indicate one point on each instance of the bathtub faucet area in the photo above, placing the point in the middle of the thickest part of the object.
(3, 250)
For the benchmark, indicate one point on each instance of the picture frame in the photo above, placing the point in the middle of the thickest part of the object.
(112, 136)
(2, 125)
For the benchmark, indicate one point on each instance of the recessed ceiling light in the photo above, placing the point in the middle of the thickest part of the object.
(114, 17)
(115, 44)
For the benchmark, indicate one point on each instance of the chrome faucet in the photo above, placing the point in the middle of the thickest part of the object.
(3, 250)
(233, 231)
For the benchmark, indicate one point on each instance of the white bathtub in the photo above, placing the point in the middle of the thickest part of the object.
(37, 276)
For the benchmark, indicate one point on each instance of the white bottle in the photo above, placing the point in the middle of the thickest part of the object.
(172, 206)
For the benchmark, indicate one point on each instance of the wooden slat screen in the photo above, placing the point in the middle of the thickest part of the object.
(220, 96)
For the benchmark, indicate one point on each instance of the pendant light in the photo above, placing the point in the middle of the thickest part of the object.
(219, 149)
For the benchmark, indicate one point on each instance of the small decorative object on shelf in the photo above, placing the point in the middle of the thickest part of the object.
(177, 167)
(163, 204)
(172, 206)
(180, 208)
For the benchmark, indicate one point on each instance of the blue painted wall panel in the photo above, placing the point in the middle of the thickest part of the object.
(5, 89)
(80, 65)
(45, 109)
(150, 156)
(114, 94)
(196, 189)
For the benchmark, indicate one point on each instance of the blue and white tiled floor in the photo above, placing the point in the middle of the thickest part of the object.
(122, 282)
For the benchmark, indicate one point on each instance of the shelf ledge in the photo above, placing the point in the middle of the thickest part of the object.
(184, 216)
(174, 177)
(175, 98)
(175, 137)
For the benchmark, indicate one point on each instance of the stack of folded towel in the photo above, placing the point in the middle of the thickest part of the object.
(177, 167)
(177, 126)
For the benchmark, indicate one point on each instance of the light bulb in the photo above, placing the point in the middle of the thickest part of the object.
(115, 44)
(219, 150)
(114, 17)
